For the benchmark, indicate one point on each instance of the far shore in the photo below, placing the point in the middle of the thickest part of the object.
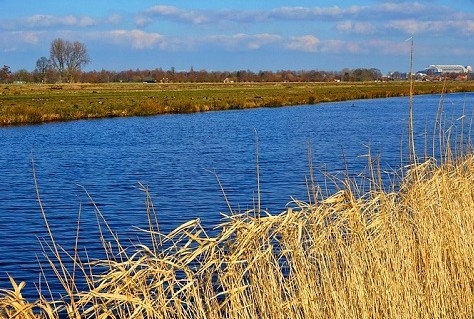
(40, 103)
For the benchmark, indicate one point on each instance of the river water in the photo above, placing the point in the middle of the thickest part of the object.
(181, 159)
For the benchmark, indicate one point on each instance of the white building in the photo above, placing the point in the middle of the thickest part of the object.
(447, 68)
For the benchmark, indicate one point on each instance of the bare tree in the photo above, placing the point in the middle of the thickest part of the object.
(76, 58)
(22, 76)
(5, 73)
(68, 57)
(43, 65)
(58, 55)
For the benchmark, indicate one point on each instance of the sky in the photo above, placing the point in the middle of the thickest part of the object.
(224, 35)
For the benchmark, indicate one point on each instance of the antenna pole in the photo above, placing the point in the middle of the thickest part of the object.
(411, 134)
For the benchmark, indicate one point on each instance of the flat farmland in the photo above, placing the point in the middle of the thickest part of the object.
(38, 103)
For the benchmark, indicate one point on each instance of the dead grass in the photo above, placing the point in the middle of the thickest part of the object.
(404, 254)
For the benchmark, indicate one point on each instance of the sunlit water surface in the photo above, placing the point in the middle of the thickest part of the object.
(182, 158)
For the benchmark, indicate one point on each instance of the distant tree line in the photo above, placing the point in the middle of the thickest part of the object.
(66, 60)
(47, 72)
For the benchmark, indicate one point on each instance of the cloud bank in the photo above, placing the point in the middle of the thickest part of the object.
(336, 30)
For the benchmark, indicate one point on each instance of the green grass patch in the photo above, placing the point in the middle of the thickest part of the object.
(36, 103)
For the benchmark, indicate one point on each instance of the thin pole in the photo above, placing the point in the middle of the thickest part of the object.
(411, 134)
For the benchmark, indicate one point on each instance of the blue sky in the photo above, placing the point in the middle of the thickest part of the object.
(241, 34)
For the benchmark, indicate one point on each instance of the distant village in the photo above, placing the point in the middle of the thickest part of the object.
(438, 72)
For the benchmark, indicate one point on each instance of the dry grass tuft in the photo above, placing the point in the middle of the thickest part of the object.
(404, 254)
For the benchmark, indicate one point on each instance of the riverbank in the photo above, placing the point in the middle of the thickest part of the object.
(40, 103)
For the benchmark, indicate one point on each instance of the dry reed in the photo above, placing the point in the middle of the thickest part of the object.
(403, 254)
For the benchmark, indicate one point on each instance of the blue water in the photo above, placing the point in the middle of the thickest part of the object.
(179, 158)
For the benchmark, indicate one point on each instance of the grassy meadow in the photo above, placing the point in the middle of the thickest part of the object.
(404, 253)
(38, 103)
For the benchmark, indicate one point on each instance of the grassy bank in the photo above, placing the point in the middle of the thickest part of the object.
(404, 254)
(38, 103)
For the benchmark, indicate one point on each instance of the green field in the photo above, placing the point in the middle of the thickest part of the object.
(38, 103)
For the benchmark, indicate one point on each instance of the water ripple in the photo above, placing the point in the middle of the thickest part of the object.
(102, 164)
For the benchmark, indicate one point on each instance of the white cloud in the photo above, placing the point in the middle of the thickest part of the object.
(143, 21)
(333, 46)
(304, 13)
(364, 13)
(83, 21)
(355, 48)
(172, 12)
(137, 38)
(243, 41)
(257, 41)
(468, 27)
(30, 37)
(341, 47)
(384, 17)
(409, 26)
(20, 40)
(306, 43)
(399, 8)
(415, 27)
(40, 20)
(356, 27)
(114, 19)
(281, 28)
(345, 26)
(388, 47)
(241, 16)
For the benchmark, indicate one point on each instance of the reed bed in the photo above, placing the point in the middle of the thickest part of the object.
(399, 254)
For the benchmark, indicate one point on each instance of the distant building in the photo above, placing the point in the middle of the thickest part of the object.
(447, 68)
